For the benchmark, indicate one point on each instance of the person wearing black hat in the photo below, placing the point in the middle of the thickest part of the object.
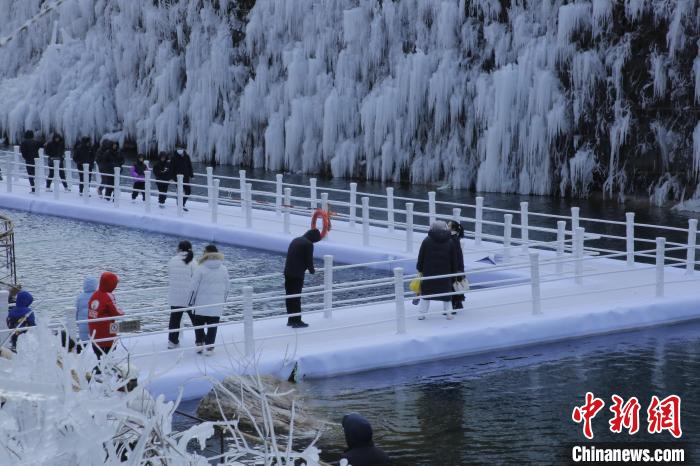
(30, 151)
(300, 258)
(161, 170)
(456, 236)
(180, 164)
(84, 153)
(361, 450)
(56, 149)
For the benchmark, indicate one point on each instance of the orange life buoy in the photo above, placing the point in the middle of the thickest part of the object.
(326, 217)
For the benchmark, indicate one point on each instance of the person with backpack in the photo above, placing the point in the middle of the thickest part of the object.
(161, 170)
(138, 173)
(300, 258)
(29, 148)
(208, 295)
(81, 308)
(55, 150)
(20, 316)
(102, 305)
(180, 164)
(84, 153)
(180, 271)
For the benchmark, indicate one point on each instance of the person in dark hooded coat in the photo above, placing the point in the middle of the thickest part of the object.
(84, 153)
(300, 258)
(161, 170)
(29, 148)
(436, 257)
(55, 150)
(456, 235)
(180, 164)
(361, 450)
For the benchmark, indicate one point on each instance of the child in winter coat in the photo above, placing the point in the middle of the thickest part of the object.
(103, 305)
(20, 315)
(81, 308)
(138, 173)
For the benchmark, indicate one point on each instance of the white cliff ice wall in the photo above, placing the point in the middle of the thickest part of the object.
(515, 96)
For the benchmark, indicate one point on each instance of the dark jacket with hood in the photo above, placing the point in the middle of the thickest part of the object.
(437, 257)
(21, 310)
(300, 255)
(56, 147)
(361, 450)
(29, 148)
(84, 152)
(161, 170)
(181, 165)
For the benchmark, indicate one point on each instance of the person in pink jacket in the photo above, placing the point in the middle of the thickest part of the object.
(138, 173)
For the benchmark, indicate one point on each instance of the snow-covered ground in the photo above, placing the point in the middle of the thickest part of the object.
(365, 337)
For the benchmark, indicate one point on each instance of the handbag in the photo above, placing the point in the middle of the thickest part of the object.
(461, 285)
(414, 284)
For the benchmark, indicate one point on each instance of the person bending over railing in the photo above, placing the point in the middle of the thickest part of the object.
(300, 258)
(103, 305)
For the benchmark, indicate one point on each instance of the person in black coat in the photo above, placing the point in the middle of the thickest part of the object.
(161, 170)
(29, 148)
(181, 164)
(109, 159)
(55, 150)
(84, 153)
(436, 257)
(300, 258)
(361, 450)
(457, 234)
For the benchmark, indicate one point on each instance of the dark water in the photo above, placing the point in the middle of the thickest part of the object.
(509, 407)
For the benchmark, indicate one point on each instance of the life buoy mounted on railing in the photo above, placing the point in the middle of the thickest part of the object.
(325, 216)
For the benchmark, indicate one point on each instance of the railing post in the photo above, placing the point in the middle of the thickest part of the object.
(210, 184)
(180, 194)
(16, 158)
(409, 227)
(69, 320)
(524, 227)
(365, 221)
(431, 207)
(400, 301)
(690, 254)
(215, 201)
(248, 335)
(147, 190)
(117, 186)
(324, 202)
(535, 283)
(56, 179)
(249, 205)
(40, 168)
(353, 204)
(390, 209)
(4, 307)
(507, 228)
(478, 223)
(578, 245)
(660, 262)
(328, 286)
(312, 193)
(287, 207)
(575, 218)
(561, 239)
(86, 183)
(242, 183)
(278, 193)
(629, 236)
(68, 161)
(38, 178)
(8, 173)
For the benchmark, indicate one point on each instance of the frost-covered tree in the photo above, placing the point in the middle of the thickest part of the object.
(530, 96)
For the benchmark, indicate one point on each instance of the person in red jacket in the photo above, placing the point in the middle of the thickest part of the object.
(102, 304)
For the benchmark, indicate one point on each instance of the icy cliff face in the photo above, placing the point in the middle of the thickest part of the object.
(528, 96)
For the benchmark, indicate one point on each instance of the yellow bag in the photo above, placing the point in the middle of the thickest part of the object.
(414, 285)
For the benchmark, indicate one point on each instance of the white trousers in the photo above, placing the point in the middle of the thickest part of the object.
(425, 306)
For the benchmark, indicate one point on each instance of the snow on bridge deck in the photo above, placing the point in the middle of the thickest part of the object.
(613, 296)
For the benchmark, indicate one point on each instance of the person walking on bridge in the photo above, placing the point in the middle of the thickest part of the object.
(181, 164)
(103, 305)
(161, 170)
(436, 257)
(300, 258)
(208, 295)
(56, 150)
(29, 148)
(84, 153)
(180, 271)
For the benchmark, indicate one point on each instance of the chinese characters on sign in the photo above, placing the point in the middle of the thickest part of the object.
(662, 415)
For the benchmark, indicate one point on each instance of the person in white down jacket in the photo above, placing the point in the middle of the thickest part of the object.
(180, 271)
(210, 285)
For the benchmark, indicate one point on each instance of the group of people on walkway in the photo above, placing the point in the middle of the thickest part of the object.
(102, 160)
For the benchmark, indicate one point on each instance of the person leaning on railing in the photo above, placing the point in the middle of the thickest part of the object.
(29, 148)
(300, 258)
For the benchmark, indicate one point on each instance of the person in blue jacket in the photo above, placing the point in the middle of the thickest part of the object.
(20, 315)
(81, 307)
